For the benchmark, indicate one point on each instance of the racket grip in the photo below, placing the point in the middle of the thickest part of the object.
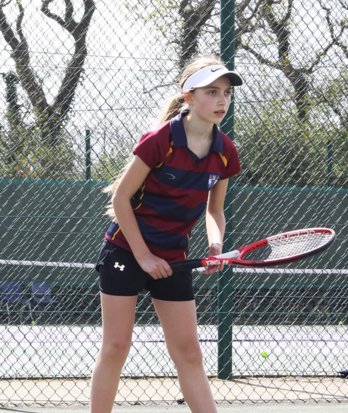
(186, 265)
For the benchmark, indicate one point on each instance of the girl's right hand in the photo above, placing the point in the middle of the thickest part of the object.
(155, 266)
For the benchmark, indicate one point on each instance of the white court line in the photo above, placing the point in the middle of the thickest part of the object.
(47, 264)
(293, 271)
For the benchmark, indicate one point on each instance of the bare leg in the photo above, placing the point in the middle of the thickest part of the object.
(118, 315)
(179, 323)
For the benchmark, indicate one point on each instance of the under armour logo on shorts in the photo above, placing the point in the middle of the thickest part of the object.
(120, 267)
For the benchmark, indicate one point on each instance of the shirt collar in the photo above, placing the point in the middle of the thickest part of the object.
(179, 134)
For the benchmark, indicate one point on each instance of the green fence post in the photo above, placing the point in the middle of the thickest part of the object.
(225, 289)
(329, 163)
(88, 174)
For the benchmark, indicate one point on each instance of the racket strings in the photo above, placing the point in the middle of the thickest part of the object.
(282, 247)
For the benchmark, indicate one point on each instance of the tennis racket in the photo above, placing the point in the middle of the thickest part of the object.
(275, 250)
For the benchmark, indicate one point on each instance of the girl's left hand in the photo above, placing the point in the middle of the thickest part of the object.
(214, 249)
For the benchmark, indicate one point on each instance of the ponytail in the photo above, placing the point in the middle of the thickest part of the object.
(173, 108)
(110, 189)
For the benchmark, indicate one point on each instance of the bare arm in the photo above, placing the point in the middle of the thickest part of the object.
(215, 218)
(130, 182)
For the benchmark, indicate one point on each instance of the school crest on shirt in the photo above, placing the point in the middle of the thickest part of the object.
(213, 179)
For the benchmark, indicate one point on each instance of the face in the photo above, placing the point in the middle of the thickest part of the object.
(211, 103)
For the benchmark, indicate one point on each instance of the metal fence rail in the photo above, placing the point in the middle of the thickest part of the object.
(81, 81)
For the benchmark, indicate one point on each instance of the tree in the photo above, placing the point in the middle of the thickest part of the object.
(189, 19)
(277, 149)
(273, 20)
(264, 29)
(50, 118)
(194, 16)
(13, 143)
(29, 158)
(336, 35)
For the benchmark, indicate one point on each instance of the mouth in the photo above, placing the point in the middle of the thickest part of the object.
(220, 113)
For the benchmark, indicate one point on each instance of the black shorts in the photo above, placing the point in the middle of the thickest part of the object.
(120, 274)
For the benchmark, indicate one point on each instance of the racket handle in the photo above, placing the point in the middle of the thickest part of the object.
(186, 265)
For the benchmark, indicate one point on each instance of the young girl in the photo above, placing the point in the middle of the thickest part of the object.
(178, 171)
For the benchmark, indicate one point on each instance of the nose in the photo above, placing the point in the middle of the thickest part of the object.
(223, 100)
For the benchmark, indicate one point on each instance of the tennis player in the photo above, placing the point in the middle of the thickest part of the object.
(179, 171)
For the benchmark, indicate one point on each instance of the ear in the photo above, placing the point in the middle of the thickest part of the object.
(187, 97)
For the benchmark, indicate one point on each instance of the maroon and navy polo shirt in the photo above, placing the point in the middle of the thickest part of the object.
(174, 194)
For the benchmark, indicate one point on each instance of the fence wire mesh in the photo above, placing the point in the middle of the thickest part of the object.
(81, 81)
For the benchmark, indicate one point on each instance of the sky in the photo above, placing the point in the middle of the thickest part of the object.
(127, 57)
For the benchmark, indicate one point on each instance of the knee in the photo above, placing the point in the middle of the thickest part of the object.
(115, 350)
(188, 353)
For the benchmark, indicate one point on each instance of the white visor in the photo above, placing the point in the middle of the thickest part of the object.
(207, 75)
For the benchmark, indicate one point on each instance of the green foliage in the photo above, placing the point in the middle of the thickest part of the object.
(277, 149)
(109, 166)
(31, 157)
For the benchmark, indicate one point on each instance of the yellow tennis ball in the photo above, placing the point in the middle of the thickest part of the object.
(264, 354)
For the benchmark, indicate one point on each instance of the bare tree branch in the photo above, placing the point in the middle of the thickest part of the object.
(280, 27)
(336, 39)
(46, 11)
(21, 56)
(50, 118)
(194, 18)
(247, 24)
(74, 70)
(262, 59)
(7, 31)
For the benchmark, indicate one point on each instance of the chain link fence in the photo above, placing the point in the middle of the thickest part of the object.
(81, 81)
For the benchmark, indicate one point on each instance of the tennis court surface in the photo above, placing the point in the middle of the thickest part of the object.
(49, 350)
(312, 395)
(251, 408)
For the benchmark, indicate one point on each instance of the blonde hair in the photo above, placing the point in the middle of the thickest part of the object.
(175, 106)
(110, 189)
